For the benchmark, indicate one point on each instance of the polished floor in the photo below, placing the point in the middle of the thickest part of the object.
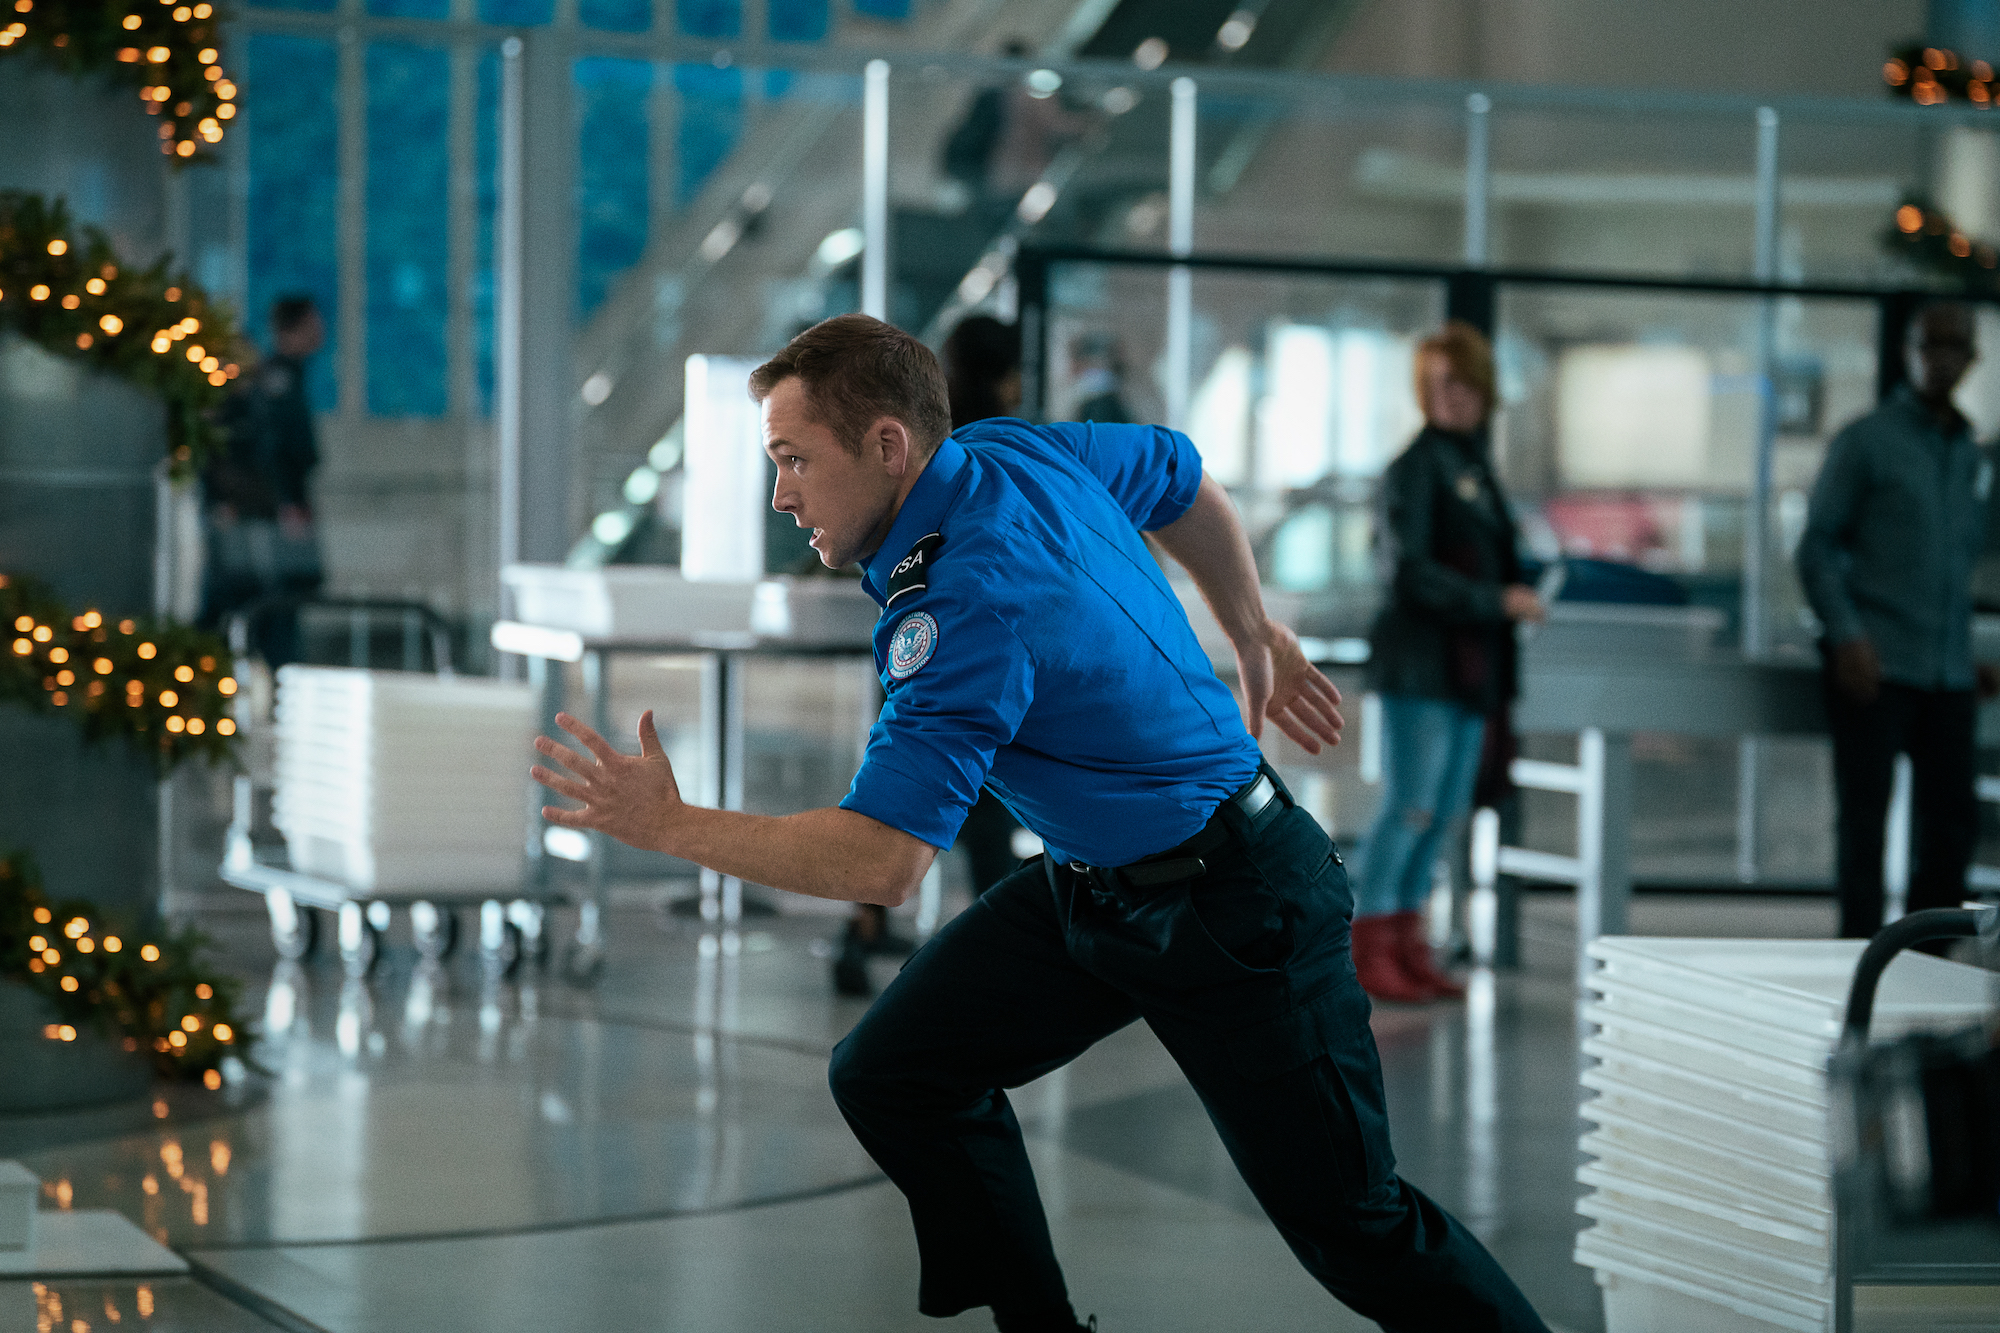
(433, 1151)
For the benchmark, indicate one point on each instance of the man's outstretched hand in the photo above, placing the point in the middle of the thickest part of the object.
(633, 798)
(1281, 685)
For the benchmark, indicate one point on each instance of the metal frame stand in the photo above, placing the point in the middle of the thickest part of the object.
(1601, 870)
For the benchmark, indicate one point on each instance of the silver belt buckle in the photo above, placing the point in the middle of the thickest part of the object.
(1079, 867)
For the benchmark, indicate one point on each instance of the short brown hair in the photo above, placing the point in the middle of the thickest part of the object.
(1468, 353)
(857, 370)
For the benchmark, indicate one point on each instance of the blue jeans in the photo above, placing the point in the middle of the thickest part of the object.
(1430, 757)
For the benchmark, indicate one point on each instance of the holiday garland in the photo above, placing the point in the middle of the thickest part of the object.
(69, 293)
(169, 52)
(164, 688)
(139, 985)
(1932, 76)
(1927, 238)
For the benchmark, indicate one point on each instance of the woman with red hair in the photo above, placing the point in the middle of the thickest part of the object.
(1443, 655)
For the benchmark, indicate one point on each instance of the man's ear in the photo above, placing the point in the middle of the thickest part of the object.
(892, 437)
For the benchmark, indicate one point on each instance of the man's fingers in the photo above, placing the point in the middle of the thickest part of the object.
(559, 784)
(596, 744)
(649, 738)
(563, 755)
(1301, 737)
(555, 814)
(1315, 720)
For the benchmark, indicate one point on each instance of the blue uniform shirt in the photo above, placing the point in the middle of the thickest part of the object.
(1045, 655)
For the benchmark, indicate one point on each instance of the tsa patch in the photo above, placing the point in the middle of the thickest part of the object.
(912, 645)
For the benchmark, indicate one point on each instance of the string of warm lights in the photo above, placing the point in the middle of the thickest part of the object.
(137, 985)
(1928, 238)
(169, 51)
(1932, 76)
(67, 291)
(164, 688)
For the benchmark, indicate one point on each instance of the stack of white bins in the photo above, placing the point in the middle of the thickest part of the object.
(393, 783)
(1713, 1206)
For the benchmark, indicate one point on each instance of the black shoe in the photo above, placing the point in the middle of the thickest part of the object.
(850, 968)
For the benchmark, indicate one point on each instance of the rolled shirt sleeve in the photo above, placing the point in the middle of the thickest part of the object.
(932, 747)
(1152, 472)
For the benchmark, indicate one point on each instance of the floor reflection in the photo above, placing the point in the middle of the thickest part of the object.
(87, 1305)
(388, 1115)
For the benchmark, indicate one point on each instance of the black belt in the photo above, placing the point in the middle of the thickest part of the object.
(1185, 861)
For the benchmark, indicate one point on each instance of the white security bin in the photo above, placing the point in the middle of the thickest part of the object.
(393, 782)
(1713, 1192)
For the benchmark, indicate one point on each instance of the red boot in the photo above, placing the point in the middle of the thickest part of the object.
(1376, 962)
(1413, 957)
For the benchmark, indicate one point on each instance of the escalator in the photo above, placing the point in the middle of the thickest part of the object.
(769, 246)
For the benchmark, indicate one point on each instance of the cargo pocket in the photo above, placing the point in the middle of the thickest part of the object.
(1326, 1046)
(1243, 920)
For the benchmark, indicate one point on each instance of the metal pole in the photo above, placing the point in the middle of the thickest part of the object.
(875, 190)
(1180, 243)
(507, 322)
(1478, 189)
(1755, 638)
(1756, 538)
(1603, 840)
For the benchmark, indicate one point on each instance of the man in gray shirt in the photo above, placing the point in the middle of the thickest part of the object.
(1896, 523)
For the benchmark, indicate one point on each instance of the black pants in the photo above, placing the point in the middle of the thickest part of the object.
(1245, 976)
(1936, 729)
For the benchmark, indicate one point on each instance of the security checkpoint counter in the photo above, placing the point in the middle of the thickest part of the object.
(1602, 672)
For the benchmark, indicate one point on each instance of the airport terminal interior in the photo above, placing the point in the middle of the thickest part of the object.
(373, 387)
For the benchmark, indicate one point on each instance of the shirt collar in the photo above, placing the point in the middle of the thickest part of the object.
(922, 513)
(1920, 414)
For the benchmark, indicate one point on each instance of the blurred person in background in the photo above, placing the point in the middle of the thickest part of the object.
(982, 370)
(1443, 655)
(1895, 527)
(967, 157)
(1100, 378)
(260, 536)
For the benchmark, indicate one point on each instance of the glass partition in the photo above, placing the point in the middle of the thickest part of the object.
(1319, 174)
(1299, 395)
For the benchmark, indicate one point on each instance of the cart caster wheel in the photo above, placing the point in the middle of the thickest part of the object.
(582, 964)
(294, 928)
(360, 938)
(532, 921)
(435, 930)
(500, 942)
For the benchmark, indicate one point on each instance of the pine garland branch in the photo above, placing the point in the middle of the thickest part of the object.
(142, 986)
(163, 688)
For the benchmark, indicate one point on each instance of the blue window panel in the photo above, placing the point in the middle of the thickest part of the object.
(517, 13)
(409, 189)
(289, 85)
(883, 9)
(797, 20)
(312, 6)
(487, 170)
(714, 19)
(410, 9)
(710, 123)
(616, 15)
(612, 202)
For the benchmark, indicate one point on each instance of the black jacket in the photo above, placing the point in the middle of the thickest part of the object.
(1450, 543)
